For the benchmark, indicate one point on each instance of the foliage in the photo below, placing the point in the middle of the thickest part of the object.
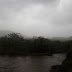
(15, 44)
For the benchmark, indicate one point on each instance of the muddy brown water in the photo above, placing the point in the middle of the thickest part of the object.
(30, 63)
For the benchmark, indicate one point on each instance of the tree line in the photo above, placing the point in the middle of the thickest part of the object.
(15, 44)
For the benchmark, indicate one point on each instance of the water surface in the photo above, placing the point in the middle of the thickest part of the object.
(29, 63)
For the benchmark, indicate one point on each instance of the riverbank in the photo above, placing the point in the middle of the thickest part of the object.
(32, 54)
(66, 65)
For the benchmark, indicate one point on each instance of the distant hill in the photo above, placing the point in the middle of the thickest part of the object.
(70, 38)
(4, 32)
(61, 38)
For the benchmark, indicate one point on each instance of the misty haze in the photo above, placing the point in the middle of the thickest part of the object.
(35, 35)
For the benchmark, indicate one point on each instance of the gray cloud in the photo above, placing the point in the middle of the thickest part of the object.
(8, 6)
(63, 14)
(37, 17)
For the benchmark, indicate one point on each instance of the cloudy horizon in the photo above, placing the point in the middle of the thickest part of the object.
(48, 18)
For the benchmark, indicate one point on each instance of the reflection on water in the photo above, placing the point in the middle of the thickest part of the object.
(29, 64)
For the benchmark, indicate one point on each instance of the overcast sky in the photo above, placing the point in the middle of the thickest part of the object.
(49, 18)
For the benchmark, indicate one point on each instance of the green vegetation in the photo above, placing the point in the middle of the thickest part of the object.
(15, 44)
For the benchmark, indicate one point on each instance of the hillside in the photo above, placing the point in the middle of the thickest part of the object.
(4, 32)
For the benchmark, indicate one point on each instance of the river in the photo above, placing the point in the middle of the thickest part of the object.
(30, 63)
